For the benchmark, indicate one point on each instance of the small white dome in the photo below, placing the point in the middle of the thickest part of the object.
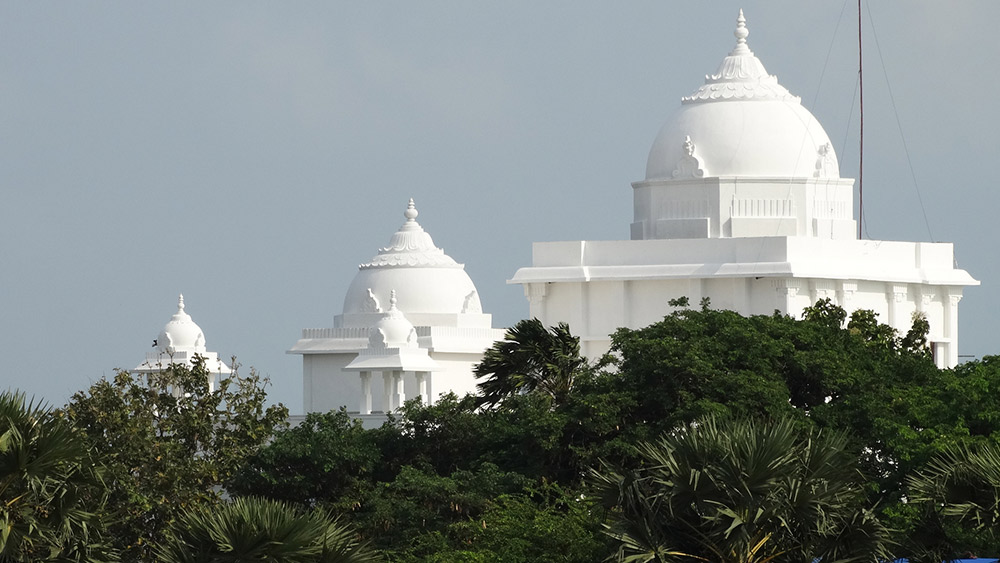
(181, 333)
(393, 330)
(741, 122)
(429, 281)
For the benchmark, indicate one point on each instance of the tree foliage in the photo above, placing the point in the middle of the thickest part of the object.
(51, 491)
(500, 475)
(435, 476)
(544, 524)
(428, 478)
(882, 389)
(958, 494)
(327, 456)
(742, 491)
(253, 529)
(530, 358)
(169, 442)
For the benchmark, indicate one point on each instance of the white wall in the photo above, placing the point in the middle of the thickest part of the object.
(596, 309)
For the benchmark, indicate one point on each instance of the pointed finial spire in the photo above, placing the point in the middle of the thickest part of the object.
(411, 211)
(741, 34)
(180, 303)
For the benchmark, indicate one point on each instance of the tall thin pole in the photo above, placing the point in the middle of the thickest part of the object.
(861, 148)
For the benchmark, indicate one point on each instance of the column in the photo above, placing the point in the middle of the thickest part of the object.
(951, 328)
(787, 290)
(398, 394)
(845, 296)
(924, 299)
(366, 393)
(822, 289)
(895, 296)
(939, 351)
(422, 387)
(386, 392)
(535, 292)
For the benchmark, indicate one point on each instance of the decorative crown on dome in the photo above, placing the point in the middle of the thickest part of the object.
(740, 76)
(411, 246)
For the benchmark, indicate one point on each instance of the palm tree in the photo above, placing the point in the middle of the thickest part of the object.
(252, 529)
(51, 494)
(741, 491)
(530, 358)
(959, 491)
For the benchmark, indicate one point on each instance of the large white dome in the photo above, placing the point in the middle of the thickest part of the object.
(741, 122)
(425, 279)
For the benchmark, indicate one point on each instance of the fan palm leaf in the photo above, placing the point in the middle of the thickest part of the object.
(742, 491)
(251, 529)
(51, 493)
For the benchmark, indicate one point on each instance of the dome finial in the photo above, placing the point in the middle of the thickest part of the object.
(411, 211)
(180, 302)
(741, 34)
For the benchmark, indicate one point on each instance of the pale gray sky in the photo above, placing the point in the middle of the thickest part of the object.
(251, 154)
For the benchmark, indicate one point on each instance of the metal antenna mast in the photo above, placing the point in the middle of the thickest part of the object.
(861, 148)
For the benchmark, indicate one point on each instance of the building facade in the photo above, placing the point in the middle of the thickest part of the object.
(742, 204)
(178, 343)
(412, 326)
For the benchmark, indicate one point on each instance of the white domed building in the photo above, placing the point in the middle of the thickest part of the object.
(411, 317)
(742, 203)
(178, 343)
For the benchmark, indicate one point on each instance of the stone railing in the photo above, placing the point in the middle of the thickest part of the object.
(347, 332)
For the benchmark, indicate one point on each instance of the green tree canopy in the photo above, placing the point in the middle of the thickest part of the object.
(325, 457)
(884, 390)
(421, 484)
(169, 442)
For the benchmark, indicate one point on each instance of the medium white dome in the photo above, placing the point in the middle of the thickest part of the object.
(427, 279)
(741, 122)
